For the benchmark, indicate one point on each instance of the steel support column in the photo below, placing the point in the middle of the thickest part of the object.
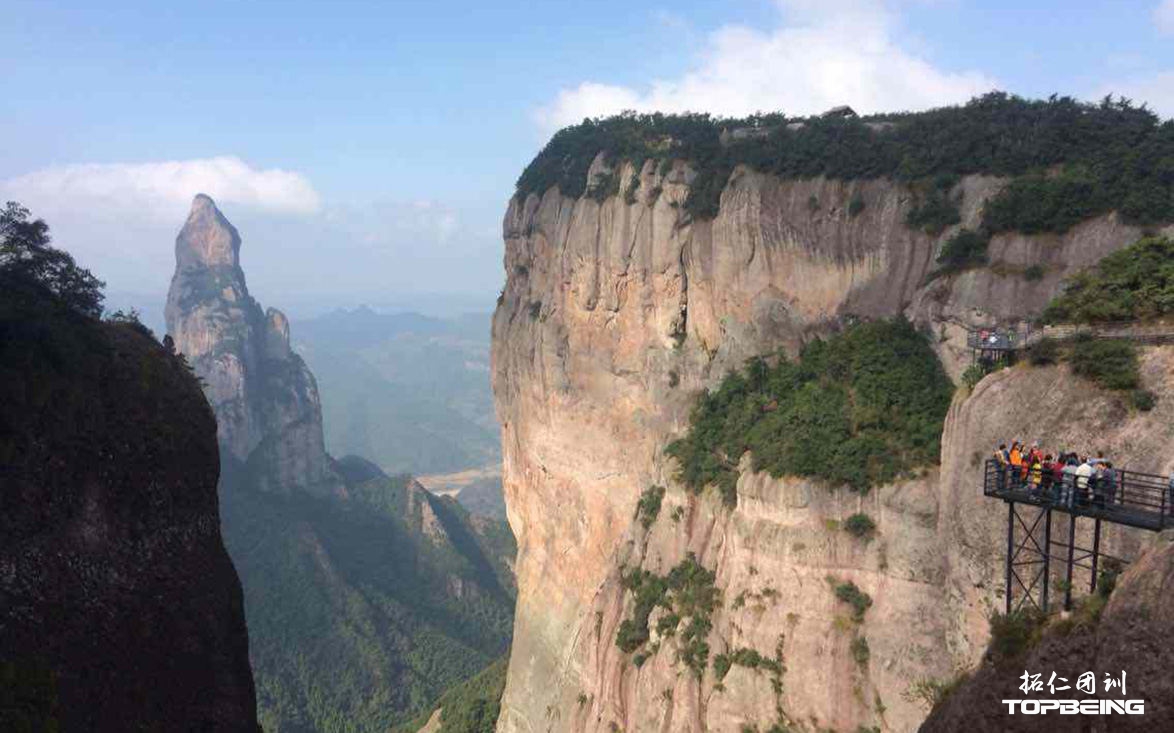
(1071, 550)
(1096, 554)
(1010, 549)
(1047, 556)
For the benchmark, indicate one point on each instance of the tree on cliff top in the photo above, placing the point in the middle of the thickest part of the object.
(29, 261)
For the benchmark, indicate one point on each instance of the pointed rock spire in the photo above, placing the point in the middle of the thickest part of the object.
(266, 401)
(207, 238)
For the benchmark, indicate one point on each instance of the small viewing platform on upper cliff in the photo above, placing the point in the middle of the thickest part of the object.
(1132, 498)
(1000, 343)
(997, 341)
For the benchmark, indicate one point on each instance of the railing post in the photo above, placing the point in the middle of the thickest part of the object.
(1162, 511)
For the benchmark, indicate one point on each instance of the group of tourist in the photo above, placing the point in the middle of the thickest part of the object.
(1063, 477)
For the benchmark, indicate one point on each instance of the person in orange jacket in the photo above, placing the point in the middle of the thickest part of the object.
(1016, 459)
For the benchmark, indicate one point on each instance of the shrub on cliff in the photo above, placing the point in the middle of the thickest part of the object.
(1134, 283)
(1015, 633)
(964, 250)
(1111, 363)
(936, 209)
(648, 507)
(848, 592)
(861, 526)
(859, 409)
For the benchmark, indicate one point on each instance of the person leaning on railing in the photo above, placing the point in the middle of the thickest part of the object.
(1002, 461)
(1048, 477)
(1035, 472)
(1015, 460)
(1084, 473)
(1108, 483)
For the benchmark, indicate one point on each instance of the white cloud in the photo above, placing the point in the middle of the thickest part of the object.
(822, 54)
(163, 189)
(1164, 17)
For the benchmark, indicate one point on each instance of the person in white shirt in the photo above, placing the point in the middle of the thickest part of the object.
(1083, 473)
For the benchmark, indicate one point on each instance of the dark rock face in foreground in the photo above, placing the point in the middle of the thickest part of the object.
(1135, 634)
(119, 607)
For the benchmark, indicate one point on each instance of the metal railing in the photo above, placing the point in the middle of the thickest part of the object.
(997, 339)
(1130, 497)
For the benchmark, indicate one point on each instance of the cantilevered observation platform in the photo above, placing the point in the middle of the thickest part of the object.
(1134, 499)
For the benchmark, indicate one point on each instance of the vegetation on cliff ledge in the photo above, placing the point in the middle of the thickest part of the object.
(1134, 283)
(859, 409)
(688, 599)
(1068, 160)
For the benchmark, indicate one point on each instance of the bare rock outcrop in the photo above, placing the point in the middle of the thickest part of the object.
(615, 314)
(265, 398)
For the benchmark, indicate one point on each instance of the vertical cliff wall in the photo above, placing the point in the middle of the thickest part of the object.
(266, 401)
(615, 313)
(115, 589)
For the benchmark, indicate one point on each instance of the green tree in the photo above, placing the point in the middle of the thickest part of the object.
(29, 261)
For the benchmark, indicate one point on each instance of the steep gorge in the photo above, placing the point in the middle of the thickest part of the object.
(618, 309)
(366, 596)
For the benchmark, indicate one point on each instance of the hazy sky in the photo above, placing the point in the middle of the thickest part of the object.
(366, 150)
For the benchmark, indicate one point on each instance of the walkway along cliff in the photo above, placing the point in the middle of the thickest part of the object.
(621, 304)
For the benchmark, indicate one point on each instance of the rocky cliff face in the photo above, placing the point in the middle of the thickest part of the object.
(266, 400)
(1130, 636)
(614, 315)
(114, 583)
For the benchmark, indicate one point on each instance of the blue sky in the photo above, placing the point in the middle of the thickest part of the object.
(366, 150)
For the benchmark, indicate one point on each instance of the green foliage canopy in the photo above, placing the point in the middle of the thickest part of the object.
(1134, 283)
(1069, 160)
(858, 409)
(29, 261)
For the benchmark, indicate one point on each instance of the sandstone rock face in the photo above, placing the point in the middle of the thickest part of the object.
(113, 575)
(615, 314)
(265, 399)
